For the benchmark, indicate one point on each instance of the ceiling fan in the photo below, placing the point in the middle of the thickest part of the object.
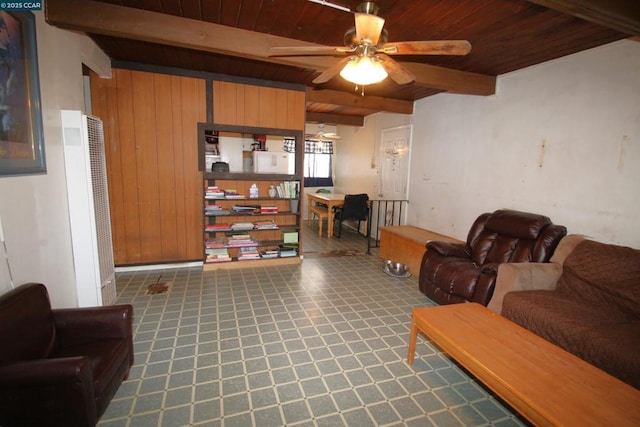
(368, 48)
(321, 135)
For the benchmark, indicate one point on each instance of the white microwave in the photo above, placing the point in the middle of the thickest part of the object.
(273, 162)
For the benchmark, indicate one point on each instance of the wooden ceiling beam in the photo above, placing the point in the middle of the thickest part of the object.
(130, 23)
(620, 15)
(336, 97)
(334, 119)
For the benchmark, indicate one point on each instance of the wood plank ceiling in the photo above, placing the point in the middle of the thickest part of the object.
(233, 37)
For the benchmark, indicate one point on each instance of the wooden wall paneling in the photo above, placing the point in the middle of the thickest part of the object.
(104, 103)
(193, 110)
(147, 165)
(250, 104)
(268, 107)
(167, 226)
(282, 102)
(127, 176)
(295, 110)
(154, 184)
(224, 105)
(180, 172)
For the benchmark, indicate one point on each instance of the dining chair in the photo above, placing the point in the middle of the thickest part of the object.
(355, 208)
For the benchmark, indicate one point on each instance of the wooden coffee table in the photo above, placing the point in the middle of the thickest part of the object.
(543, 382)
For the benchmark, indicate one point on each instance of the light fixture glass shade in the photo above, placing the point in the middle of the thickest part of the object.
(364, 71)
(368, 28)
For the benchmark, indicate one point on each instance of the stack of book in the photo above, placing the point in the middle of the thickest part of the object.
(214, 210)
(240, 240)
(232, 194)
(217, 255)
(211, 228)
(248, 252)
(213, 192)
(242, 226)
(269, 253)
(268, 210)
(286, 252)
(245, 209)
(265, 225)
(214, 243)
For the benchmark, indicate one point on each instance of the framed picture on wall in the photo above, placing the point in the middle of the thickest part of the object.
(21, 136)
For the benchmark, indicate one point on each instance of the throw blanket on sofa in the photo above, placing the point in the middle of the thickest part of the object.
(594, 312)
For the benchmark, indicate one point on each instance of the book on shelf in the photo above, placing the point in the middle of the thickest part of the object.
(269, 253)
(218, 258)
(215, 210)
(214, 193)
(217, 227)
(288, 189)
(232, 194)
(217, 255)
(245, 209)
(266, 210)
(266, 225)
(242, 226)
(219, 212)
(287, 252)
(249, 252)
(214, 243)
(290, 237)
(239, 240)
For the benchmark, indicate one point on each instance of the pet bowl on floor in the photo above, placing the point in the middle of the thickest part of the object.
(396, 269)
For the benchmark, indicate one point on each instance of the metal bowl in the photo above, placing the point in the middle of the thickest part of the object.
(396, 269)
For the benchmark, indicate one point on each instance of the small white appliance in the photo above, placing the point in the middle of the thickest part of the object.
(272, 162)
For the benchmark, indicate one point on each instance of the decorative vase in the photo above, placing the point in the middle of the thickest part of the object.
(272, 191)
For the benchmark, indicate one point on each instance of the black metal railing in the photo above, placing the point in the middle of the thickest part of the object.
(383, 213)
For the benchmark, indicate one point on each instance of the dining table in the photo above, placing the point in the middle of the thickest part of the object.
(330, 200)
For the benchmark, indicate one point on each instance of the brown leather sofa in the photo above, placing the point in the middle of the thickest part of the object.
(59, 367)
(454, 273)
(586, 300)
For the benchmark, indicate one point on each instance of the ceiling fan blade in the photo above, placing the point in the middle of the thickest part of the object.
(330, 72)
(308, 50)
(331, 136)
(397, 72)
(435, 47)
(368, 28)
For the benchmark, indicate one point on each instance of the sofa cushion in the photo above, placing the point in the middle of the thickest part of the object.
(27, 323)
(604, 275)
(608, 339)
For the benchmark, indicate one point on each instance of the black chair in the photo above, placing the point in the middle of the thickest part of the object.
(355, 208)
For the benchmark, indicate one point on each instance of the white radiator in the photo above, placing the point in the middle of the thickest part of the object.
(88, 196)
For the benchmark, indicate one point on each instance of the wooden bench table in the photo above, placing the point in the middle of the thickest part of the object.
(406, 244)
(546, 384)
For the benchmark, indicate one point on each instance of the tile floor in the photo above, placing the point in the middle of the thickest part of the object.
(319, 344)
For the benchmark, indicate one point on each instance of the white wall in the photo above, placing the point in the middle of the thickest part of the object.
(561, 139)
(33, 208)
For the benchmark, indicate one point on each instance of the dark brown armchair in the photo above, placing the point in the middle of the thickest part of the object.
(454, 273)
(59, 367)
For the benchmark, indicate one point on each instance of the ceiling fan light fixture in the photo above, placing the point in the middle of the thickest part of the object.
(368, 28)
(363, 71)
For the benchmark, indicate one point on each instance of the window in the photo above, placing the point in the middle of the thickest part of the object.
(317, 170)
(317, 162)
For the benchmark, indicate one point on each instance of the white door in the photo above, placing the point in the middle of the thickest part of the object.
(394, 165)
(394, 176)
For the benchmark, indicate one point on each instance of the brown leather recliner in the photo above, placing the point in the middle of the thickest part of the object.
(453, 273)
(59, 367)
